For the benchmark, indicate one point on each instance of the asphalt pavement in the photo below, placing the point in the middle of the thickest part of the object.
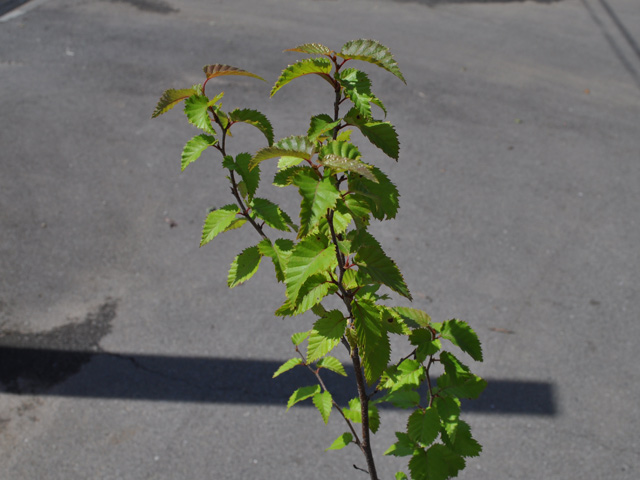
(123, 355)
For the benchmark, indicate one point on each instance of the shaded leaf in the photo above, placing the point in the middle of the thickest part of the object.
(318, 66)
(342, 164)
(250, 177)
(218, 70)
(244, 266)
(403, 447)
(271, 214)
(462, 443)
(255, 118)
(194, 148)
(382, 197)
(462, 335)
(285, 177)
(170, 98)
(288, 365)
(321, 125)
(279, 252)
(413, 317)
(442, 463)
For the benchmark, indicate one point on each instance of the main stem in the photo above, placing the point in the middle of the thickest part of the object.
(347, 297)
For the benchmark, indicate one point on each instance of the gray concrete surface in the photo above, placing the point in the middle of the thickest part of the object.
(124, 356)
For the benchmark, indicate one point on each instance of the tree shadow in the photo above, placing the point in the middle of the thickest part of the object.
(86, 374)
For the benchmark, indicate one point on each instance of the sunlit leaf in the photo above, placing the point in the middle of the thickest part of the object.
(323, 403)
(194, 148)
(219, 70)
(217, 222)
(255, 118)
(288, 365)
(318, 66)
(373, 52)
(341, 442)
(244, 266)
(170, 98)
(311, 48)
(302, 393)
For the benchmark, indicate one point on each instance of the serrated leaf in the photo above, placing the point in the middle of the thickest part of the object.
(373, 52)
(402, 398)
(170, 98)
(374, 418)
(286, 162)
(340, 149)
(326, 334)
(382, 197)
(317, 197)
(462, 442)
(321, 125)
(285, 177)
(462, 335)
(382, 134)
(219, 70)
(250, 177)
(302, 394)
(237, 223)
(357, 88)
(403, 447)
(418, 465)
(323, 403)
(413, 317)
(354, 413)
(410, 373)
(442, 463)
(341, 442)
(194, 148)
(449, 412)
(342, 164)
(255, 118)
(401, 476)
(317, 66)
(196, 108)
(217, 222)
(371, 259)
(312, 292)
(312, 49)
(271, 214)
(333, 364)
(288, 365)
(295, 146)
(426, 345)
(423, 426)
(373, 339)
(311, 256)
(458, 380)
(279, 252)
(244, 266)
(298, 338)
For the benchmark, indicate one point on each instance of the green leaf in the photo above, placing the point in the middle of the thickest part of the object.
(244, 266)
(279, 253)
(354, 413)
(326, 334)
(449, 412)
(382, 197)
(321, 125)
(317, 197)
(341, 442)
(286, 162)
(219, 70)
(401, 476)
(298, 338)
(302, 394)
(333, 364)
(371, 259)
(423, 426)
(255, 118)
(410, 373)
(250, 177)
(461, 335)
(357, 88)
(458, 380)
(312, 49)
(311, 256)
(418, 466)
(288, 365)
(312, 292)
(372, 52)
(442, 463)
(323, 403)
(374, 418)
(196, 108)
(342, 164)
(295, 146)
(318, 66)
(271, 214)
(403, 447)
(287, 176)
(381, 134)
(340, 149)
(463, 443)
(170, 98)
(217, 222)
(402, 398)
(194, 148)
(372, 339)
(413, 317)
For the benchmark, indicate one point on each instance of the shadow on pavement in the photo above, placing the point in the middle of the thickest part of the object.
(212, 380)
